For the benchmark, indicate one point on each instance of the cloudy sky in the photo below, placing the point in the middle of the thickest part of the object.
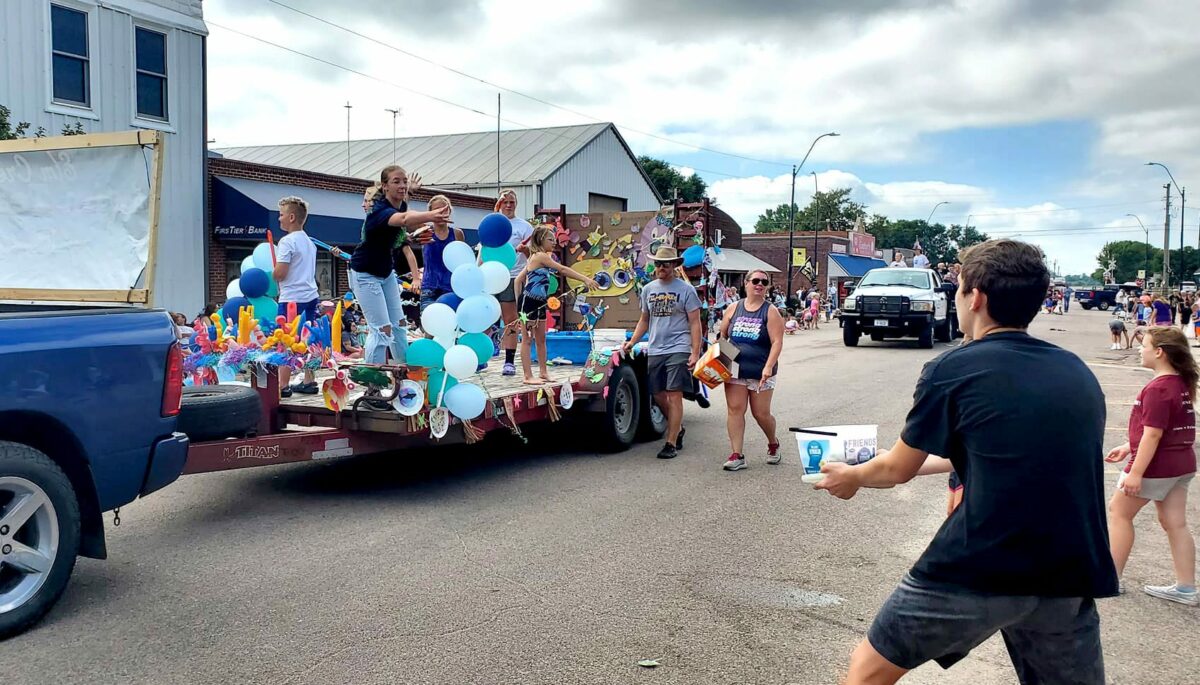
(1033, 117)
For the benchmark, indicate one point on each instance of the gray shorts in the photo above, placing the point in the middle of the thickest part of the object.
(1049, 639)
(1157, 489)
(669, 373)
(508, 294)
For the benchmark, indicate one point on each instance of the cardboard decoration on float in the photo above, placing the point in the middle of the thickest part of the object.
(410, 398)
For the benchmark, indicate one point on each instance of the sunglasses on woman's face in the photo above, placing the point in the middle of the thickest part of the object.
(759, 281)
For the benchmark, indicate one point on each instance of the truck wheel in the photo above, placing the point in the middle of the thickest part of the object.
(850, 334)
(1104, 306)
(942, 332)
(39, 535)
(214, 412)
(925, 337)
(622, 409)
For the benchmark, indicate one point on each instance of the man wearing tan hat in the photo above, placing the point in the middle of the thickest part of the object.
(671, 312)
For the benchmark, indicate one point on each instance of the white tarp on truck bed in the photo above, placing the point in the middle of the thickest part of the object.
(74, 218)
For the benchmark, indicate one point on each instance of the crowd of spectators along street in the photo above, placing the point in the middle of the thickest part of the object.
(1135, 314)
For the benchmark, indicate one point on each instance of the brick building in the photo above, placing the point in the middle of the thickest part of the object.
(242, 197)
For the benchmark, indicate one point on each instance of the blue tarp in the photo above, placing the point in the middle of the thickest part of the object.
(856, 267)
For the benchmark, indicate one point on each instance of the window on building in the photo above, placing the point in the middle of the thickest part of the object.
(151, 73)
(606, 203)
(70, 57)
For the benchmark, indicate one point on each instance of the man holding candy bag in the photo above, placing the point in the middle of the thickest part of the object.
(1027, 552)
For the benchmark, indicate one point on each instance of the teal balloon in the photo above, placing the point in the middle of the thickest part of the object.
(436, 378)
(426, 353)
(273, 287)
(265, 309)
(480, 343)
(506, 254)
(466, 401)
(262, 257)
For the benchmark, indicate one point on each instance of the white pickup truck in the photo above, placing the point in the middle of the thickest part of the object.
(896, 303)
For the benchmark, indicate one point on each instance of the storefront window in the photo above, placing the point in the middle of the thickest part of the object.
(325, 275)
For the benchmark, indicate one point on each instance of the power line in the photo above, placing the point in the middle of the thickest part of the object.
(519, 93)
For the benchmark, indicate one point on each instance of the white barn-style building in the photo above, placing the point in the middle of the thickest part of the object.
(118, 65)
(589, 168)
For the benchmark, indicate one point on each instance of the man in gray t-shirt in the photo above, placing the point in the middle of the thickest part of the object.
(671, 313)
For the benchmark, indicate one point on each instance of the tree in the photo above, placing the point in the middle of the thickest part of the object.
(828, 210)
(1130, 257)
(940, 243)
(667, 179)
(8, 131)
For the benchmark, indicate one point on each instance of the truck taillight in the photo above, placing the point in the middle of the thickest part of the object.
(173, 383)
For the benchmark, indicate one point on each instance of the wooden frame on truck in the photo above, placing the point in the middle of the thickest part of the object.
(139, 138)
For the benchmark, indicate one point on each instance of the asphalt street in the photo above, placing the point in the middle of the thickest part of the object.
(549, 563)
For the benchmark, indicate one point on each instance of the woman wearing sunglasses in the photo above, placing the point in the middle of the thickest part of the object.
(755, 327)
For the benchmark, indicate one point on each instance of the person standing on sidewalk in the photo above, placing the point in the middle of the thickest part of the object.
(1027, 553)
(296, 273)
(671, 313)
(756, 329)
(1162, 431)
(1068, 295)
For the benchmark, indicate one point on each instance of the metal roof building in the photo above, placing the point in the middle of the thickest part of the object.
(589, 168)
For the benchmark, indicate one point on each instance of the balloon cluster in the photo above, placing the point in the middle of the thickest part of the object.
(459, 319)
(255, 288)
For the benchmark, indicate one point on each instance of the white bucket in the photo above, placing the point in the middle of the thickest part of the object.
(851, 444)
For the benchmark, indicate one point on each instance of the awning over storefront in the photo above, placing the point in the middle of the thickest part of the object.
(848, 266)
(243, 210)
(730, 259)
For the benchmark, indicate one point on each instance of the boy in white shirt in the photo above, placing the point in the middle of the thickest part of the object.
(296, 274)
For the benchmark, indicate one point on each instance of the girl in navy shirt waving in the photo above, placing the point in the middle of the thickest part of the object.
(371, 274)
(1162, 430)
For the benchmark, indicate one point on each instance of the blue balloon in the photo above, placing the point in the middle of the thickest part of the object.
(254, 283)
(693, 256)
(232, 305)
(261, 257)
(467, 280)
(477, 313)
(450, 300)
(495, 230)
(465, 400)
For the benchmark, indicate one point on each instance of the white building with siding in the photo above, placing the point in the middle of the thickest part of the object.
(588, 168)
(117, 65)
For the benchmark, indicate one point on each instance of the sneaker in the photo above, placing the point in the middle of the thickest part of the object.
(1113, 346)
(1172, 593)
(306, 388)
(679, 438)
(735, 462)
(285, 393)
(668, 451)
(510, 369)
(773, 455)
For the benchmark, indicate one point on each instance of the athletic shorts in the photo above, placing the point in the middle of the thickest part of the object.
(508, 294)
(307, 311)
(669, 373)
(533, 309)
(1157, 489)
(1116, 326)
(1049, 639)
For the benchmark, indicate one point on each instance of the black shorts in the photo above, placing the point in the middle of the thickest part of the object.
(1049, 639)
(669, 373)
(533, 309)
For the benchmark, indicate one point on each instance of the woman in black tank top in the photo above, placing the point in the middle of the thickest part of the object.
(755, 327)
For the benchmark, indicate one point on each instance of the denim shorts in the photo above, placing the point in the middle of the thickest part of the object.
(1049, 639)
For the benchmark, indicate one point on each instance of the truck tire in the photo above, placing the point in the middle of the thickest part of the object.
(850, 334)
(1104, 306)
(214, 412)
(39, 536)
(925, 337)
(622, 410)
(943, 333)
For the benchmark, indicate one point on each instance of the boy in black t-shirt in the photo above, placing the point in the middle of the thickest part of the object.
(1027, 552)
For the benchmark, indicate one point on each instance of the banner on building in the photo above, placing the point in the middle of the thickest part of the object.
(799, 255)
(862, 244)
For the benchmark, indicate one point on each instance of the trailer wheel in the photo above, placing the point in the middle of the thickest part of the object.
(622, 409)
(214, 412)
(39, 535)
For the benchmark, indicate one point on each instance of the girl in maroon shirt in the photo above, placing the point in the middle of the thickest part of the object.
(1162, 430)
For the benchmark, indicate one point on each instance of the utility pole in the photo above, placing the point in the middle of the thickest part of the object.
(348, 107)
(1166, 279)
(395, 113)
(816, 229)
(792, 228)
(1182, 204)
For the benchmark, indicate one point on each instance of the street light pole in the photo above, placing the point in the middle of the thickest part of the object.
(935, 207)
(816, 231)
(792, 221)
(1146, 257)
(395, 113)
(1167, 223)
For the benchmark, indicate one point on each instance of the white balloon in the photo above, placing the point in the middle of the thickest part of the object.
(467, 280)
(495, 277)
(456, 254)
(438, 319)
(461, 361)
(248, 263)
(234, 289)
(446, 341)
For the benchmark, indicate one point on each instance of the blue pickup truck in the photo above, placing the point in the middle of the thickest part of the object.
(89, 401)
